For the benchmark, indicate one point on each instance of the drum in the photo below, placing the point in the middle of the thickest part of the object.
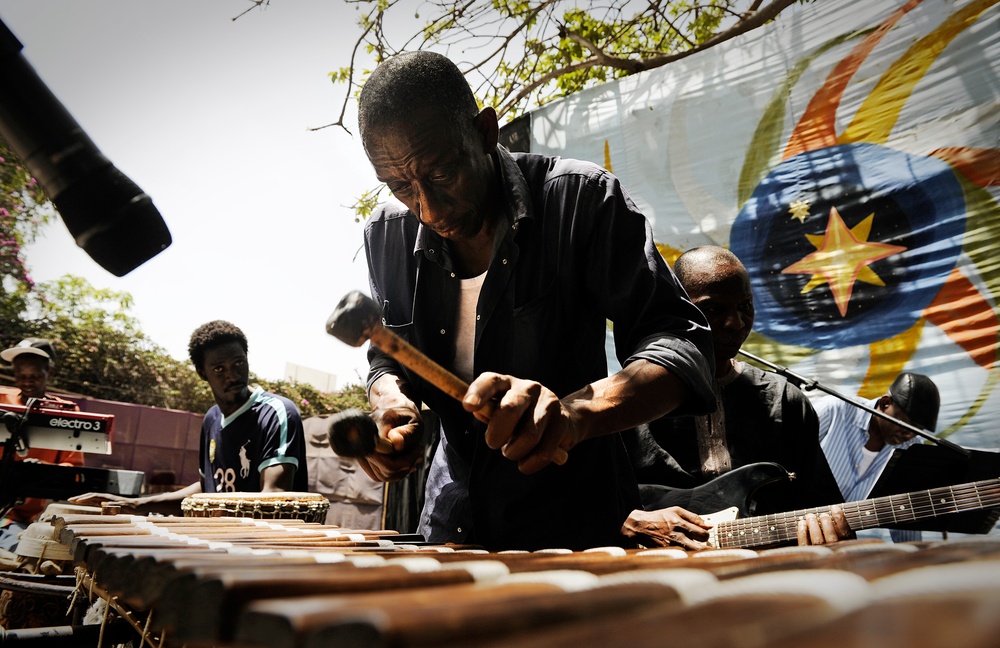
(311, 507)
(39, 541)
(36, 602)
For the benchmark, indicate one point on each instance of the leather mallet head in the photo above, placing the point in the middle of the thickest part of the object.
(353, 319)
(353, 433)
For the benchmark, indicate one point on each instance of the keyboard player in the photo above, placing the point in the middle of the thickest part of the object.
(33, 361)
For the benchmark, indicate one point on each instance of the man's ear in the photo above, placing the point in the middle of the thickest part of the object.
(489, 128)
(883, 401)
(201, 373)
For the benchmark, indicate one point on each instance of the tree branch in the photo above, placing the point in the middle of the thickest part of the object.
(520, 27)
(600, 57)
(530, 87)
(350, 83)
(256, 4)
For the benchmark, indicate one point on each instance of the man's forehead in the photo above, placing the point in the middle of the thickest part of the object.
(412, 133)
(26, 361)
(413, 123)
(401, 156)
(225, 351)
(716, 279)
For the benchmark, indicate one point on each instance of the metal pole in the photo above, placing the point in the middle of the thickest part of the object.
(807, 383)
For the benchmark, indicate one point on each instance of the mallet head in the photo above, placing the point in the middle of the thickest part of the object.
(353, 433)
(353, 318)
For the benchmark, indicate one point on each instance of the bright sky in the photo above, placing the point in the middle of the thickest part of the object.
(210, 117)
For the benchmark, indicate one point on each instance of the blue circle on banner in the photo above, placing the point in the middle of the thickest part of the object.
(916, 202)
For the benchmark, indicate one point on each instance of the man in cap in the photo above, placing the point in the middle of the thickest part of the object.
(33, 360)
(858, 444)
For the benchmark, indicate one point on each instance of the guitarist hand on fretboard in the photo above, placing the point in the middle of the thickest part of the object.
(725, 503)
(824, 528)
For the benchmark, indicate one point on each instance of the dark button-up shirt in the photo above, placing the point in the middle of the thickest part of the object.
(766, 419)
(577, 252)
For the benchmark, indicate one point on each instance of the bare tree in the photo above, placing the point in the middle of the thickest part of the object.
(519, 54)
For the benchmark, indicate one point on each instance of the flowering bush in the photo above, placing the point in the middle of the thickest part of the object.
(24, 209)
(311, 401)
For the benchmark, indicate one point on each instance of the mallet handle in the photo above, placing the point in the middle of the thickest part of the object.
(415, 360)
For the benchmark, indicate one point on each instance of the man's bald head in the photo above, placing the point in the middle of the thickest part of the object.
(719, 285)
(699, 264)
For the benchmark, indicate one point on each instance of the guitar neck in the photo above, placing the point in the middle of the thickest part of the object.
(779, 528)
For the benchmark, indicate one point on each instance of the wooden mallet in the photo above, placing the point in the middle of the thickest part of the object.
(357, 319)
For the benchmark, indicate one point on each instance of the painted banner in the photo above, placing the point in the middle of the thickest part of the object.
(849, 154)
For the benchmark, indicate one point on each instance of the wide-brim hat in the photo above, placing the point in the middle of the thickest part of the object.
(34, 346)
(918, 396)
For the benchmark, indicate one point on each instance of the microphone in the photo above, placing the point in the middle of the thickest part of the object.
(109, 216)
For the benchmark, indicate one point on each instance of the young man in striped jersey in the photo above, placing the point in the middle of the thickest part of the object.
(251, 440)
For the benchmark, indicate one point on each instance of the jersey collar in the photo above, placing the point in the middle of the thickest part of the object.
(254, 395)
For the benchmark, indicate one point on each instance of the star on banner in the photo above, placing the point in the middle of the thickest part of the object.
(841, 258)
(799, 209)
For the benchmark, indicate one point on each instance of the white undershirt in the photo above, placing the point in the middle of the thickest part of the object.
(465, 325)
(867, 457)
(713, 449)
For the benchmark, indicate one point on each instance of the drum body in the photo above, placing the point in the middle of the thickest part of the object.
(310, 507)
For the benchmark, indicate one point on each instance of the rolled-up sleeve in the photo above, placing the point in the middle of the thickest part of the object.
(653, 318)
(685, 360)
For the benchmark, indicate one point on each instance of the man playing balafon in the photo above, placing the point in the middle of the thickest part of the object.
(505, 268)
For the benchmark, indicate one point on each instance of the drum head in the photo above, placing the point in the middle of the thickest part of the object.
(287, 505)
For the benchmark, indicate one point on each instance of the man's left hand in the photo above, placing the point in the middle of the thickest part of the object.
(530, 425)
(824, 528)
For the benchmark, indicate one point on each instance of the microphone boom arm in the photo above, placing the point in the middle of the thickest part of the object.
(807, 383)
(107, 214)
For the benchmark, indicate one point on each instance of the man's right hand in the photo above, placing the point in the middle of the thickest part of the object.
(156, 500)
(673, 526)
(402, 427)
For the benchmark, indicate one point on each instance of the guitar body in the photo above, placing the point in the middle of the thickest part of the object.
(737, 488)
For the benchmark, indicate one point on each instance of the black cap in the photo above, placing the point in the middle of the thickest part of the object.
(918, 396)
(34, 346)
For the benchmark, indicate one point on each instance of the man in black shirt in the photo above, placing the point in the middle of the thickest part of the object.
(761, 417)
(505, 269)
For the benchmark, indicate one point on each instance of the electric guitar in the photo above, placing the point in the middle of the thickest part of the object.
(737, 487)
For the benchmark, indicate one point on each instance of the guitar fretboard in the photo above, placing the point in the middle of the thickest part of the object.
(779, 528)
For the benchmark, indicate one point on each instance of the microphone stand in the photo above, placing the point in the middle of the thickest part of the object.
(807, 383)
